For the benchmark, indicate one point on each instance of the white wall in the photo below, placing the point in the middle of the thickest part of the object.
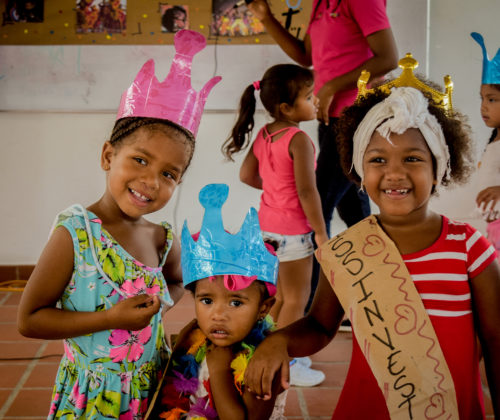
(50, 160)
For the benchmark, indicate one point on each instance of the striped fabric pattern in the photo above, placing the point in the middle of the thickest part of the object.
(442, 271)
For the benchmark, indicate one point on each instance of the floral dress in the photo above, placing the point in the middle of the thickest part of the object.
(111, 373)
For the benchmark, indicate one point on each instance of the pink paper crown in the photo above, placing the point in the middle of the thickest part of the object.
(174, 99)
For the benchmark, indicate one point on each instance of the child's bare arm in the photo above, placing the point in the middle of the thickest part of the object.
(249, 171)
(227, 400)
(304, 337)
(302, 152)
(38, 316)
(172, 271)
(258, 408)
(486, 298)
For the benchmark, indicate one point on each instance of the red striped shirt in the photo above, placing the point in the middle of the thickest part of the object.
(441, 274)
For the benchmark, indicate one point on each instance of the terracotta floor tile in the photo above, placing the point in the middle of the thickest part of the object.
(292, 407)
(488, 407)
(9, 332)
(11, 373)
(20, 349)
(39, 403)
(4, 394)
(8, 313)
(339, 350)
(43, 375)
(321, 401)
(179, 315)
(44, 417)
(335, 373)
(55, 348)
(13, 298)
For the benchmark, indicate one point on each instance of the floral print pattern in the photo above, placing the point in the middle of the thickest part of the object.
(113, 373)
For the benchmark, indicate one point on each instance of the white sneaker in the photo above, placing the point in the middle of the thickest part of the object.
(303, 376)
(304, 361)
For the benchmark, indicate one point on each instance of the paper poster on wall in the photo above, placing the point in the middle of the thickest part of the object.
(232, 20)
(141, 22)
(23, 11)
(94, 16)
(174, 17)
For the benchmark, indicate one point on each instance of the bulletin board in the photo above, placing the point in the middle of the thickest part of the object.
(141, 22)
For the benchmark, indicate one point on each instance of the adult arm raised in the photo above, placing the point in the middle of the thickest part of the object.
(297, 50)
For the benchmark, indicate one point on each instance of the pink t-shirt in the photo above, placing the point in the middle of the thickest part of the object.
(280, 210)
(441, 274)
(338, 41)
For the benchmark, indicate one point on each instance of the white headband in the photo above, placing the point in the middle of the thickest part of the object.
(404, 108)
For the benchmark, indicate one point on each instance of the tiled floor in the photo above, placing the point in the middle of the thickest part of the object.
(28, 368)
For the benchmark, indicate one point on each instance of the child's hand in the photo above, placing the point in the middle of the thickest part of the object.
(269, 358)
(488, 197)
(133, 313)
(219, 358)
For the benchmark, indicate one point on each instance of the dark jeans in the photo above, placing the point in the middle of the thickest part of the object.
(335, 189)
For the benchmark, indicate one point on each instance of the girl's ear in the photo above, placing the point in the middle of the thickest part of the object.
(285, 108)
(106, 155)
(265, 306)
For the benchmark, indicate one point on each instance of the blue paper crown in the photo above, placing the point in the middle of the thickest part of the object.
(491, 68)
(217, 252)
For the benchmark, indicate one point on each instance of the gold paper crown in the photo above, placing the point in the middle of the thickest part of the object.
(407, 78)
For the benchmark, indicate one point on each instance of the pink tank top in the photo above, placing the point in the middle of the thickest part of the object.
(280, 209)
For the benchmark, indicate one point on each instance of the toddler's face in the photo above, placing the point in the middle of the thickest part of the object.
(226, 317)
(399, 177)
(490, 106)
(144, 170)
(305, 106)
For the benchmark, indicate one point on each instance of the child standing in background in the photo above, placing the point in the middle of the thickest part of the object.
(233, 281)
(281, 162)
(418, 288)
(489, 170)
(106, 270)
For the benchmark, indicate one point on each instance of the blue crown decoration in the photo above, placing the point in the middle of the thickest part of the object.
(217, 252)
(491, 68)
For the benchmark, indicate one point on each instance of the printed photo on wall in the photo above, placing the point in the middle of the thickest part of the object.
(229, 19)
(23, 11)
(101, 16)
(174, 17)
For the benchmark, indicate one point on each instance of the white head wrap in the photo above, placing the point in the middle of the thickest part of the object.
(404, 108)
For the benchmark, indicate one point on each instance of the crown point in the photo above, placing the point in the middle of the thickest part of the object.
(218, 252)
(213, 195)
(189, 42)
(174, 99)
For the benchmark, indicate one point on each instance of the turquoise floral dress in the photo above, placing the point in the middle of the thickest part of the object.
(112, 373)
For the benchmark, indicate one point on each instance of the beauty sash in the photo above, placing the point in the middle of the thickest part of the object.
(371, 281)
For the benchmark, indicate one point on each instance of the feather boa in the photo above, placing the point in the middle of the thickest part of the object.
(177, 394)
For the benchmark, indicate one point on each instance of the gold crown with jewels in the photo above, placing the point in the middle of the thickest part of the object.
(408, 79)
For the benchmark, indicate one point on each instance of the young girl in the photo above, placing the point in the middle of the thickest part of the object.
(232, 278)
(489, 171)
(106, 270)
(416, 286)
(281, 162)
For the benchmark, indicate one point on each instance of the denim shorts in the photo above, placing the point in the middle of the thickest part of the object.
(291, 247)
